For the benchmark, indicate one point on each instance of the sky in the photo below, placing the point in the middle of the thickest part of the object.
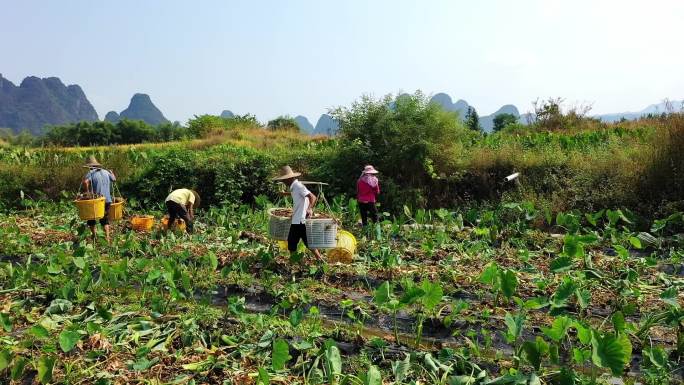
(302, 57)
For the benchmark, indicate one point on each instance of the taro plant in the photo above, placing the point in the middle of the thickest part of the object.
(427, 296)
(326, 366)
(672, 317)
(388, 257)
(384, 298)
(610, 351)
(656, 367)
(501, 281)
(437, 372)
(569, 288)
(514, 329)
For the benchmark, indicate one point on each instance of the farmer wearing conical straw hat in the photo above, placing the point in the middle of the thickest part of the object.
(367, 190)
(303, 201)
(99, 182)
(181, 204)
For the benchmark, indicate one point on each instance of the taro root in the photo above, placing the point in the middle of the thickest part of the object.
(287, 213)
(86, 196)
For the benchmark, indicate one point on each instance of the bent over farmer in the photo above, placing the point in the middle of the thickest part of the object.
(303, 201)
(99, 182)
(181, 204)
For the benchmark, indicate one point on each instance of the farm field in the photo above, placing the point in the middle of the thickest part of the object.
(341, 193)
(496, 294)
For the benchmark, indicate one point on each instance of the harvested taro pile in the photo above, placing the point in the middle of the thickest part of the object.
(86, 196)
(287, 213)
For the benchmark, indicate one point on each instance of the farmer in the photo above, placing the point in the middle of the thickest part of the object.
(303, 201)
(367, 190)
(181, 204)
(99, 182)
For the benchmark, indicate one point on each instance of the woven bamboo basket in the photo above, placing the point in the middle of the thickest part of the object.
(278, 227)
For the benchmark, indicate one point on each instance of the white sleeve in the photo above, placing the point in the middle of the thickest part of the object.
(301, 190)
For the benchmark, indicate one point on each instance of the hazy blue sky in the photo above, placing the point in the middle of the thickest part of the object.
(301, 57)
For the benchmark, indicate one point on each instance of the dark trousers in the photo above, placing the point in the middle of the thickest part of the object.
(176, 210)
(368, 211)
(296, 233)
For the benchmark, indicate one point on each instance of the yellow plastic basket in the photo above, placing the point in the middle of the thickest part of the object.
(116, 209)
(346, 247)
(142, 222)
(90, 209)
(180, 224)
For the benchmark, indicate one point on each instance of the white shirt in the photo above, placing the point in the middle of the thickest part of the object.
(300, 198)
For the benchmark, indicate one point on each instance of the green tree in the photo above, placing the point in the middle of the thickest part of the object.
(283, 123)
(548, 114)
(104, 133)
(411, 141)
(204, 125)
(171, 131)
(503, 120)
(472, 120)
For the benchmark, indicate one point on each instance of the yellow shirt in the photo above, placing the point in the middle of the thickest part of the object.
(181, 196)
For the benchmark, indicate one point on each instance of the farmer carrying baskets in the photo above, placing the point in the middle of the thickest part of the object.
(98, 181)
(303, 201)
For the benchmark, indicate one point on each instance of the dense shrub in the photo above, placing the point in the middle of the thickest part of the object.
(285, 123)
(221, 175)
(551, 115)
(205, 125)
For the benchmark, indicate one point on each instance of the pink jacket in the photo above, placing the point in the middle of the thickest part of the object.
(365, 193)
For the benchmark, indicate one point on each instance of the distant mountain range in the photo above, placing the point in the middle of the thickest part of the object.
(37, 103)
(671, 106)
(325, 125)
(487, 121)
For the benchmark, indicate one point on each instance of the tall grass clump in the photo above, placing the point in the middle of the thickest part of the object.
(662, 185)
